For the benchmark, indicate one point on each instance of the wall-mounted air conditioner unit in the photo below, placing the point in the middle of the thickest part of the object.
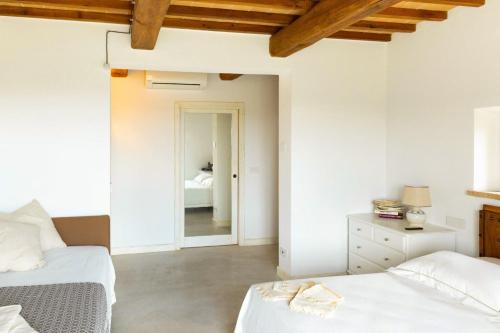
(176, 80)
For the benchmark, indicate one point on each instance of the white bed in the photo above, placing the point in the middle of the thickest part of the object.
(382, 302)
(197, 194)
(67, 265)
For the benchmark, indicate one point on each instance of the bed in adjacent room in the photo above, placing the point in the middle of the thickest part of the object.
(73, 290)
(198, 192)
(441, 292)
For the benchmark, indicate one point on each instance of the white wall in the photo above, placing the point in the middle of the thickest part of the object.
(54, 117)
(487, 149)
(197, 143)
(332, 111)
(437, 77)
(338, 150)
(142, 202)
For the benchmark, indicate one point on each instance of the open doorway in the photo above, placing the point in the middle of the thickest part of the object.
(207, 173)
(145, 198)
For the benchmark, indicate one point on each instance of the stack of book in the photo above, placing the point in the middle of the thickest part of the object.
(390, 209)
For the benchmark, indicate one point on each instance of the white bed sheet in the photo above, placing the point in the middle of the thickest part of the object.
(197, 195)
(373, 303)
(68, 265)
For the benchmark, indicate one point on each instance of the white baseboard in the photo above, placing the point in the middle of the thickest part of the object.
(285, 276)
(142, 249)
(259, 241)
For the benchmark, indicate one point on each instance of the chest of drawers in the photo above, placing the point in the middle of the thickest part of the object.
(376, 244)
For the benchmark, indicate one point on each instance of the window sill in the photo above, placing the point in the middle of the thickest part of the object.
(484, 194)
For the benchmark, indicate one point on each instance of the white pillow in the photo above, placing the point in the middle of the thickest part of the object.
(33, 213)
(208, 181)
(19, 247)
(475, 282)
(201, 177)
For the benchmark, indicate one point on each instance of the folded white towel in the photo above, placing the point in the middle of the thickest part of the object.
(316, 300)
(11, 320)
(281, 290)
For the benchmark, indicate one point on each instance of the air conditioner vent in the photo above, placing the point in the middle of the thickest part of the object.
(176, 80)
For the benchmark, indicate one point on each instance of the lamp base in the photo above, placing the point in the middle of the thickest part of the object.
(416, 217)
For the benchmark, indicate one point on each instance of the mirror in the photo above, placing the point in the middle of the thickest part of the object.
(207, 174)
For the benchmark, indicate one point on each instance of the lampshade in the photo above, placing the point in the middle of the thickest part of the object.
(417, 196)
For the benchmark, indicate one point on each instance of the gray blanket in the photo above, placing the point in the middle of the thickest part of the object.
(60, 308)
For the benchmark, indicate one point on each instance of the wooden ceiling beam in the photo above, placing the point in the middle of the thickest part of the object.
(63, 14)
(375, 37)
(411, 14)
(262, 29)
(147, 22)
(323, 20)
(465, 3)
(219, 26)
(291, 7)
(381, 27)
(92, 6)
(226, 15)
(229, 76)
(245, 16)
(172, 23)
(279, 20)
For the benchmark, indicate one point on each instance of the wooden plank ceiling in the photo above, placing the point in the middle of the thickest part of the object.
(293, 24)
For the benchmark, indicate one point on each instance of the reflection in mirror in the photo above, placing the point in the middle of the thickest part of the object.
(207, 174)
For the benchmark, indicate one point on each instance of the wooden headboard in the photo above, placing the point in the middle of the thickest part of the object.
(84, 230)
(489, 231)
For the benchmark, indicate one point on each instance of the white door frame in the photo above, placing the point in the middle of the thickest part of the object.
(237, 221)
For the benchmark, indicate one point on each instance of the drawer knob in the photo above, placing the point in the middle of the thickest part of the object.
(386, 259)
(358, 229)
(358, 247)
(386, 239)
(358, 267)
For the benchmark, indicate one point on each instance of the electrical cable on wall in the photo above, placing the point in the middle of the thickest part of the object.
(106, 63)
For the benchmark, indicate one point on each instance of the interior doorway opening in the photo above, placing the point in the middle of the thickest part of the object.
(146, 185)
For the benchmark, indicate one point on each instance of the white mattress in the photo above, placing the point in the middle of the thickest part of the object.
(70, 264)
(373, 303)
(197, 195)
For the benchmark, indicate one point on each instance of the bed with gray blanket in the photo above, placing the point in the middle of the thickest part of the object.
(72, 293)
(60, 308)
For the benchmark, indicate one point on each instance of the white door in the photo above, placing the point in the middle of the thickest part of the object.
(207, 142)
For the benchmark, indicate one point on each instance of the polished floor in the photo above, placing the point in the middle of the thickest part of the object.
(188, 291)
(198, 222)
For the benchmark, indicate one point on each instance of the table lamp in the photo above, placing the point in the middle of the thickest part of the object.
(416, 197)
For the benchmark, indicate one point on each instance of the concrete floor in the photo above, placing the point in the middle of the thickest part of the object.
(199, 222)
(188, 291)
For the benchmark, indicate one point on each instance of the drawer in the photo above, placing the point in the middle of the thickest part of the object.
(390, 239)
(379, 254)
(360, 229)
(358, 265)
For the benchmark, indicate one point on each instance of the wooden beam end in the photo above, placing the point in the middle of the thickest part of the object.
(119, 72)
(229, 76)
